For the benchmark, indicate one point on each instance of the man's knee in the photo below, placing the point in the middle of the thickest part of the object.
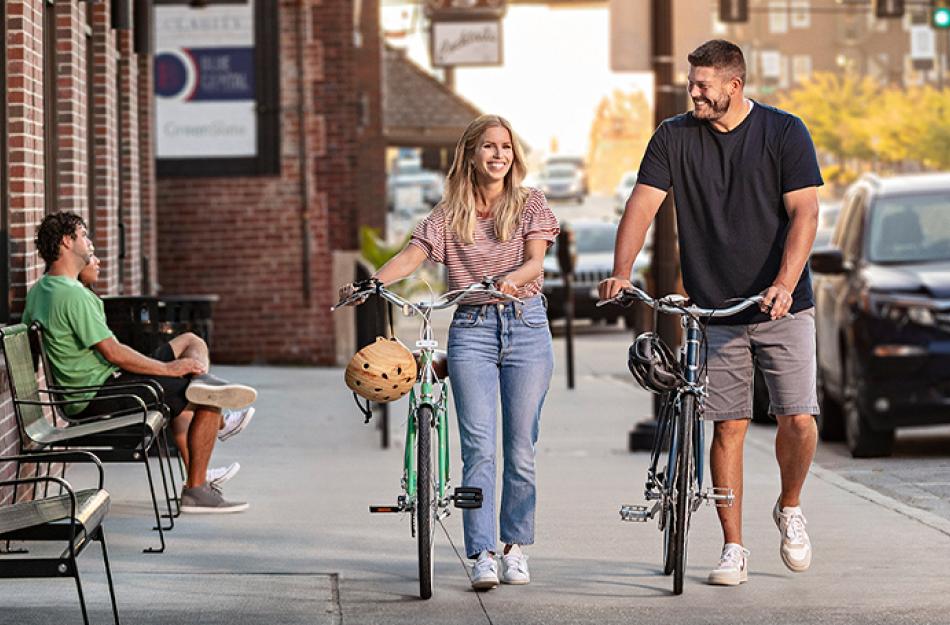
(731, 430)
(798, 425)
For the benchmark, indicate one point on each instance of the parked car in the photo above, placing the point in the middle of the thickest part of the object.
(594, 242)
(413, 190)
(563, 182)
(882, 295)
(622, 193)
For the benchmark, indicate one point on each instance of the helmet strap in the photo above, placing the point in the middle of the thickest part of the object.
(364, 408)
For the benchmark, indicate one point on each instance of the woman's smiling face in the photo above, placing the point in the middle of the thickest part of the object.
(494, 155)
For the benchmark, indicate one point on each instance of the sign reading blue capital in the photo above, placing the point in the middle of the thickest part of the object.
(205, 81)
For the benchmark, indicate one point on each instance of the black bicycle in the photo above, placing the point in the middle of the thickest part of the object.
(675, 477)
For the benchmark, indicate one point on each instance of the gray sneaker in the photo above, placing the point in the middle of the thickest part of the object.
(207, 500)
(209, 390)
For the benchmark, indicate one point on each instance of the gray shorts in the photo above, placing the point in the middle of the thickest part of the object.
(785, 352)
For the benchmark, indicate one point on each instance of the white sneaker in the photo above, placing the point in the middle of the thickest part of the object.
(515, 567)
(217, 477)
(796, 547)
(235, 421)
(485, 572)
(210, 390)
(733, 566)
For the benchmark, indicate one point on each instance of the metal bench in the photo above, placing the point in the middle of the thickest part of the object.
(72, 517)
(121, 437)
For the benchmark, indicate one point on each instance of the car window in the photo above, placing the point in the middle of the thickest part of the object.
(912, 228)
(854, 228)
(846, 209)
(589, 240)
(561, 172)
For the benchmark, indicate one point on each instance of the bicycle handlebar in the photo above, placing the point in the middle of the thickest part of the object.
(450, 298)
(676, 304)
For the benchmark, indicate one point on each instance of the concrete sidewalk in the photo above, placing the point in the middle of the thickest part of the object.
(308, 551)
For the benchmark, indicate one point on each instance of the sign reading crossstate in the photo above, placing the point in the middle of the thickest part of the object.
(466, 43)
(205, 81)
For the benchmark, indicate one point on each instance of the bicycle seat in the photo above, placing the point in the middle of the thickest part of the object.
(440, 363)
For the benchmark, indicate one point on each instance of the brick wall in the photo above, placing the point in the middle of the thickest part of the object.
(245, 238)
(24, 92)
(146, 116)
(129, 163)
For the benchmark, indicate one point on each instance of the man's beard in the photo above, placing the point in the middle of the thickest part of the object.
(714, 108)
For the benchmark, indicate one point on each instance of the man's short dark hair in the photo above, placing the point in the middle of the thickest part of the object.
(722, 55)
(50, 235)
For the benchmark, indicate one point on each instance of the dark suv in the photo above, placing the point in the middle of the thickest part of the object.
(882, 296)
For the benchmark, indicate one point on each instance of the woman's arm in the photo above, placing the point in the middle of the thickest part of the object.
(530, 270)
(402, 265)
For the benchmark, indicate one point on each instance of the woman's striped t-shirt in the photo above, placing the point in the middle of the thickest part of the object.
(487, 256)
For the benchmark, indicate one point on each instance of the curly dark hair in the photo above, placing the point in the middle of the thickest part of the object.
(720, 54)
(50, 234)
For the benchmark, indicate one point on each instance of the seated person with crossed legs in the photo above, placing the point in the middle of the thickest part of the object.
(82, 351)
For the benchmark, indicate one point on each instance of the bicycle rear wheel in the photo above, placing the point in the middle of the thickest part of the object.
(683, 483)
(425, 505)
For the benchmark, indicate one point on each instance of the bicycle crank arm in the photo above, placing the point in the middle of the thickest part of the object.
(467, 497)
(719, 496)
(640, 514)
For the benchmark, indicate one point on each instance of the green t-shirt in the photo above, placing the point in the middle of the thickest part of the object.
(73, 321)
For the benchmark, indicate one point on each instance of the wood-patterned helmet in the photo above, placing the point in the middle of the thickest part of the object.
(382, 371)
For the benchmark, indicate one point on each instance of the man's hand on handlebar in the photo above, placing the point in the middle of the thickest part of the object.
(776, 301)
(610, 287)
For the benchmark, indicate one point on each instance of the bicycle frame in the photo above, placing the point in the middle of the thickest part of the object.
(440, 409)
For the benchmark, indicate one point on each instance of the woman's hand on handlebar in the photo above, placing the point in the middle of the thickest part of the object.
(609, 288)
(506, 286)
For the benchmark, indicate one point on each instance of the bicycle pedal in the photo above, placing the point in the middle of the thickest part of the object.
(381, 509)
(467, 497)
(721, 497)
(639, 514)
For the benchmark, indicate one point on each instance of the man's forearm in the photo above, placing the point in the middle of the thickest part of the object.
(132, 361)
(801, 236)
(631, 235)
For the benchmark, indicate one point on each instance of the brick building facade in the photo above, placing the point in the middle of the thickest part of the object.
(266, 244)
(78, 120)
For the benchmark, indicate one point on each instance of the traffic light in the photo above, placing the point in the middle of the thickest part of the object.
(888, 8)
(733, 11)
(940, 14)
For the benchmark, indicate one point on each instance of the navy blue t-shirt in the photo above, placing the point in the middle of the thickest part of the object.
(730, 215)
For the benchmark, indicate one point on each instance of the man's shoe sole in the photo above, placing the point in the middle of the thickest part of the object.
(211, 510)
(239, 428)
(516, 582)
(485, 584)
(715, 580)
(231, 472)
(232, 396)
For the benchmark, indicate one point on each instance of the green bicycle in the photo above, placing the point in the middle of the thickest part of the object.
(424, 490)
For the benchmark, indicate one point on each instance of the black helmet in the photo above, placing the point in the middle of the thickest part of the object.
(653, 364)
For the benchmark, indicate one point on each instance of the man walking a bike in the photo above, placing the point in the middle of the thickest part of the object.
(745, 177)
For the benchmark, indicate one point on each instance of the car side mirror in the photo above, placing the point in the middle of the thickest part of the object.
(828, 260)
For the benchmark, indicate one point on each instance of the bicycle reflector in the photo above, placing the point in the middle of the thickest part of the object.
(383, 371)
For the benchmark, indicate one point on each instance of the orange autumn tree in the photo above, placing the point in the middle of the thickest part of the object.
(618, 136)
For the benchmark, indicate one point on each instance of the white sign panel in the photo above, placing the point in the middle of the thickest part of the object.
(205, 97)
(466, 43)
(923, 42)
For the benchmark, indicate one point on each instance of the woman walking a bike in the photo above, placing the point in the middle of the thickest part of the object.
(487, 224)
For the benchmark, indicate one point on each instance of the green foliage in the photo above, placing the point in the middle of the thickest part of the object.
(858, 121)
(376, 252)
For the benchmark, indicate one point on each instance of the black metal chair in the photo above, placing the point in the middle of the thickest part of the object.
(121, 437)
(73, 517)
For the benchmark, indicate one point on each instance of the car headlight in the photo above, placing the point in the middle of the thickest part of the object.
(899, 309)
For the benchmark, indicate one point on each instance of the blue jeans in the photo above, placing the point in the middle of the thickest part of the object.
(506, 348)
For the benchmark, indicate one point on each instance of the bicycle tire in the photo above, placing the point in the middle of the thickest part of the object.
(665, 441)
(425, 521)
(682, 507)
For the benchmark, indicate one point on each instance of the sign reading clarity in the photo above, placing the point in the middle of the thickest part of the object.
(204, 81)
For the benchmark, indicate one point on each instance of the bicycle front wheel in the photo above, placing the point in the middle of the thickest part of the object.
(425, 505)
(683, 485)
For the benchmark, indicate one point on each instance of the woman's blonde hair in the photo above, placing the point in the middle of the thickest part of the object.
(461, 185)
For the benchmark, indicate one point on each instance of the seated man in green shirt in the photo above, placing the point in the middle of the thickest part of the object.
(83, 352)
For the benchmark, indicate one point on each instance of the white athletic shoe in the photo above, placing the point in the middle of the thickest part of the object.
(485, 572)
(217, 477)
(796, 547)
(733, 566)
(515, 567)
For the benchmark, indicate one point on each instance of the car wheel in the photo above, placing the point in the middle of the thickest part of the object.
(830, 417)
(862, 439)
(760, 399)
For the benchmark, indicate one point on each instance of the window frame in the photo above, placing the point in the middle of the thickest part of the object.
(4, 176)
(267, 87)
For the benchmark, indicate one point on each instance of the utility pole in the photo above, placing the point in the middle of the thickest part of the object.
(663, 265)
